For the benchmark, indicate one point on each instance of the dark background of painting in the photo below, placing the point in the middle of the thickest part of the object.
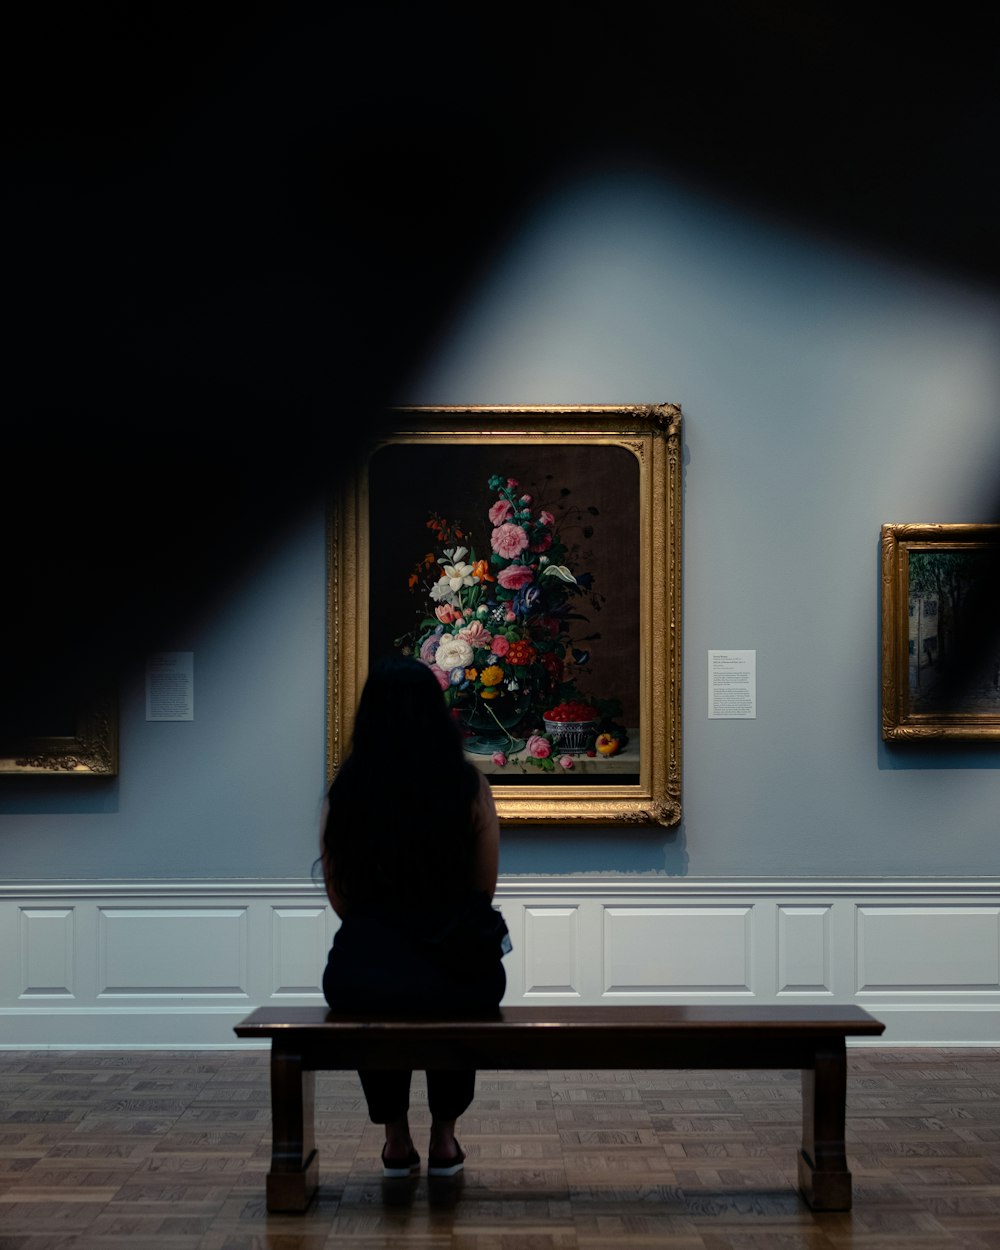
(408, 481)
(963, 679)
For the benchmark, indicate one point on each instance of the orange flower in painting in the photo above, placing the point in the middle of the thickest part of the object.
(491, 676)
(481, 572)
(521, 653)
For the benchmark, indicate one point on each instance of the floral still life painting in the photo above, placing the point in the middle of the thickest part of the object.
(531, 559)
(507, 624)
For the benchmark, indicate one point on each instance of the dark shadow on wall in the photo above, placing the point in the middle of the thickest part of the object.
(938, 755)
(238, 228)
(60, 796)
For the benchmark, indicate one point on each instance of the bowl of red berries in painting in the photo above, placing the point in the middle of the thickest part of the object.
(572, 727)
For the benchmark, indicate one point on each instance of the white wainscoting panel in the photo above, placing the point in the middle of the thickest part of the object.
(677, 950)
(299, 947)
(928, 949)
(46, 950)
(551, 952)
(805, 953)
(178, 963)
(172, 951)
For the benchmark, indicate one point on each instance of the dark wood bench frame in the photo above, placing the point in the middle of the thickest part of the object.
(305, 1040)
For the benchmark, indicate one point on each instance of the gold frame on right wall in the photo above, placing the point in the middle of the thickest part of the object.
(940, 644)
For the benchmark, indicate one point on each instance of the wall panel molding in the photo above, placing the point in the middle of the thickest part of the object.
(177, 963)
(671, 953)
(550, 952)
(46, 949)
(805, 955)
(172, 952)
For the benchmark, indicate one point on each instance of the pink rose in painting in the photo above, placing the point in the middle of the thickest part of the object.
(546, 518)
(499, 759)
(526, 499)
(509, 540)
(565, 761)
(476, 634)
(500, 645)
(514, 576)
(443, 678)
(543, 544)
(538, 747)
(446, 613)
(500, 512)
(428, 648)
(510, 616)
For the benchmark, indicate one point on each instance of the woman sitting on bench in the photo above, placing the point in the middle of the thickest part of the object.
(409, 851)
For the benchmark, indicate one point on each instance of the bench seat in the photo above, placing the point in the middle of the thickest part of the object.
(305, 1040)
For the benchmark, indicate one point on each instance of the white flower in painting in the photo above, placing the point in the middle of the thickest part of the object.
(453, 652)
(560, 571)
(441, 592)
(458, 574)
(455, 554)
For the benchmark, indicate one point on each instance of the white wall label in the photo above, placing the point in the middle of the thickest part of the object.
(170, 685)
(732, 685)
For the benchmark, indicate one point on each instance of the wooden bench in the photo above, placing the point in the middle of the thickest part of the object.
(305, 1040)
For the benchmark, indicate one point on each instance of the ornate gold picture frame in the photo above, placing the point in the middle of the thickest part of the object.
(80, 739)
(536, 552)
(940, 632)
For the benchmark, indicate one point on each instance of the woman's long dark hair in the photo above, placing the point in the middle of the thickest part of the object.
(399, 827)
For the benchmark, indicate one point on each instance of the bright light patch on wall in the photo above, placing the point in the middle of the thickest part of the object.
(629, 288)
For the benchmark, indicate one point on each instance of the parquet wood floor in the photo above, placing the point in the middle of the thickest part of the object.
(168, 1151)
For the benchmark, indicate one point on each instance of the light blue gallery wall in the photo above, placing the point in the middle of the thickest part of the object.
(825, 391)
(234, 793)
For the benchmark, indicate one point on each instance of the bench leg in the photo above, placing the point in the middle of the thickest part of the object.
(294, 1176)
(823, 1176)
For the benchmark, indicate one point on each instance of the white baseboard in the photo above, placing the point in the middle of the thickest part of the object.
(176, 964)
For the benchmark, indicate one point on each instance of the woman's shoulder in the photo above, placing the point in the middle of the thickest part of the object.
(485, 821)
(481, 791)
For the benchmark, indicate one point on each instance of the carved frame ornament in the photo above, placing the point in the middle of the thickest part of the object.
(92, 751)
(628, 457)
(940, 638)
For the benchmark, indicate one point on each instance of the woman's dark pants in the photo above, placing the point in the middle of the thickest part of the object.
(373, 970)
(449, 1094)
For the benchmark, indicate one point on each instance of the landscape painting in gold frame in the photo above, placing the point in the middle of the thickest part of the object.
(940, 632)
(532, 558)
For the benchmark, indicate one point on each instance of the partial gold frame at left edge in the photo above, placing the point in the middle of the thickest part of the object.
(657, 440)
(892, 595)
(898, 723)
(347, 642)
(91, 752)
